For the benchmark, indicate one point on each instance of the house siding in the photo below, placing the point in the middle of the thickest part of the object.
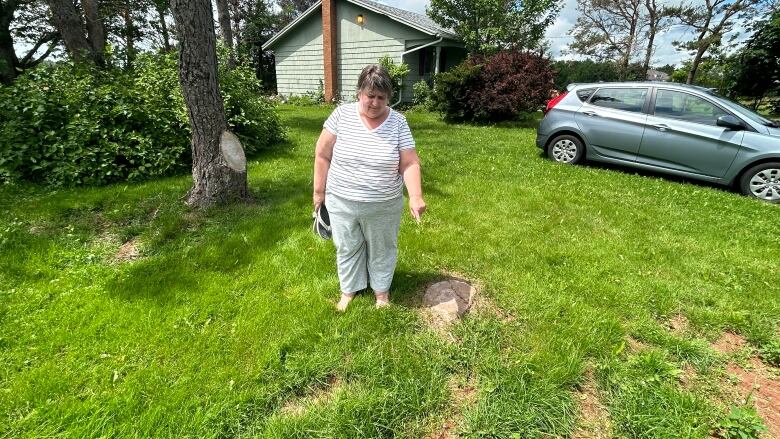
(299, 54)
(299, 63)
(362, 45)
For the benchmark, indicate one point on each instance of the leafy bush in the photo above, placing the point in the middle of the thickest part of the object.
(742, 422)
(397, 73)
(421, 94)
(494, 88)
(452, 91)
(65, 124)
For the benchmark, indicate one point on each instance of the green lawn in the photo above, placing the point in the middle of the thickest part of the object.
(225, 325)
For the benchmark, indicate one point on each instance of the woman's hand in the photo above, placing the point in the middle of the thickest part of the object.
(416, 207)
(317, 199)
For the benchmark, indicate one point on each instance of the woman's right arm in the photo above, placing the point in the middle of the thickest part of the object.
(322, 156)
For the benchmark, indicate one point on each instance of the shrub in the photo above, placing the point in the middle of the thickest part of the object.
(421, 94)
(65, 124)
(494, 88)
(452, 91)
(397, 73)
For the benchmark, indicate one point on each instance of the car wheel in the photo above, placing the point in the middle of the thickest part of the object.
(566, 149)
(762, 182)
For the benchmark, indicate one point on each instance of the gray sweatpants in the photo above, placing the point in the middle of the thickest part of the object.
(366, 239)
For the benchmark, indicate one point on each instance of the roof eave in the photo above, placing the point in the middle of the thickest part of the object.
(291, 25)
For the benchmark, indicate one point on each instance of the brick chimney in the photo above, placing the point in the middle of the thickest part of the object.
(329, 48)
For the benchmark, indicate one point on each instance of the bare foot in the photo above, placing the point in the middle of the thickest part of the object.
(344, 302)
(382, 299)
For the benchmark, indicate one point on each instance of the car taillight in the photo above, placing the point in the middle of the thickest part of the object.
(552, 102)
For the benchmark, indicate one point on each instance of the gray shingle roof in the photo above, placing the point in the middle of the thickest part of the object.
(402, 15)
(409, 18)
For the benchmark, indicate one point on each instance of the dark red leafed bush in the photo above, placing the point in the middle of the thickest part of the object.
(497, 87)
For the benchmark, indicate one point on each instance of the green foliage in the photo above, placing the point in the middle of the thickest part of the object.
(584, 71)
(758, 69)
(397, 73)
(487, 26)
(770, 352)
(742, 422)
(250, 116)
(494, 88)
(422, 94)
(66, 125)
(451, 91)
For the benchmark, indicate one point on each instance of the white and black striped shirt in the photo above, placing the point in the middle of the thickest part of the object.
(364, 166)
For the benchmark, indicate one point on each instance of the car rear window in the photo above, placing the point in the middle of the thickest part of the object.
(584, 94)
(626, 99)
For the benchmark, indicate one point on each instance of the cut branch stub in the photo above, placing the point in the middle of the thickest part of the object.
(232, 151)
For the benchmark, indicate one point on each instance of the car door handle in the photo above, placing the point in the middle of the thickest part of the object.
(661, 127)
(590, 113)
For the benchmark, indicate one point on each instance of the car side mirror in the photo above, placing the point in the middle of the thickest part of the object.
(730, 122)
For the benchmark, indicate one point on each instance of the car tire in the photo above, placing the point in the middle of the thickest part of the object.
(566, 149)
(762, 182)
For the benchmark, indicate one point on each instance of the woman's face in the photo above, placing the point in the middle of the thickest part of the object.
(372, 103)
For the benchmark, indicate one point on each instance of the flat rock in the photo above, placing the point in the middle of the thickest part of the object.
(449, 299)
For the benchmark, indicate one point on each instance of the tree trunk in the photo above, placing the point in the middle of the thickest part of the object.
(235, 15)
(8, 60)
(129, 37)
(696, 61)
(95, 32)
(215, 181)
(649, 52)
(225, 30)
(67, 20)
(163, 27)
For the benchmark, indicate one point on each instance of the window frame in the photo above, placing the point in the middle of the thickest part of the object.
(643, 108)
(651, 110)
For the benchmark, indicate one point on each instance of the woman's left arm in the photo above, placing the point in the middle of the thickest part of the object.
(409, 167)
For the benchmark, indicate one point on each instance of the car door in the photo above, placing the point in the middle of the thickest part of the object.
(682, 135)
(612, 121)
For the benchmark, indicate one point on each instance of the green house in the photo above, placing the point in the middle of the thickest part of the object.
(326, 47)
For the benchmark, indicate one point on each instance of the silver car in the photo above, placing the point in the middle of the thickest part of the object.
(672, 128)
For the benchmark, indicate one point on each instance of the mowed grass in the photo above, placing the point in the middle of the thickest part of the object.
(225, 324)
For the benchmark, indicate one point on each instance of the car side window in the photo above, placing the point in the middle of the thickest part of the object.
(585, 93)
(687, 107)
(627, 99)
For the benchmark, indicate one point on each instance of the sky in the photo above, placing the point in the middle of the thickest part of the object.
(664, 54)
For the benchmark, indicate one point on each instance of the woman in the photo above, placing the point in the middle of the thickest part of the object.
(364, 154)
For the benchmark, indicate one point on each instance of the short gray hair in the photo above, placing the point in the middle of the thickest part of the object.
(375, 77)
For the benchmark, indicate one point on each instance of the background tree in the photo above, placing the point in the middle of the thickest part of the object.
(217, 177)
(710, 22)
(80, 42)
(490, 25)
(226, 30)
(757, 72)
(34, 34)
(609, 30)
(658, 19)
(289, 9)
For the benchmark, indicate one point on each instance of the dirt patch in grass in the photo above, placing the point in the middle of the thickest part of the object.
(678, 323)
(593, 420)
(761, 384)
(635, 345)
(128, 251)
(318, 395)
(729, 343)
(463, 394)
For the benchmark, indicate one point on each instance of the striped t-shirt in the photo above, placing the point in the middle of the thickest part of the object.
(364, 166)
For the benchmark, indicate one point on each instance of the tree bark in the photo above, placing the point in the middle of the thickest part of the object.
(95, 32)
(225, 30)
(214, 180)
(163, 26)
(129, 37)
(67, 20)
(8, 60)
